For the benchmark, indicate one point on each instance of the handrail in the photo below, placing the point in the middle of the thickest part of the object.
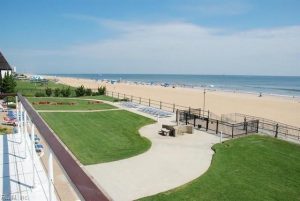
(86, 187)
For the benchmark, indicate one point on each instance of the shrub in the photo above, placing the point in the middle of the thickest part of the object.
(66, 92)
(102, 90)
(12, 105)
(124, 99)
(88, 92)
(95, 94)
(48, 91)
(80, 91)
(56, 92)
(39, 94)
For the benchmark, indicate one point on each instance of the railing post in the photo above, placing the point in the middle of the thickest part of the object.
(160, 104)
(50, 176)
(140, 100)
(25, 133)
(257, 126)
(194, 120)
(186, 118)
(246, 127)
(32, 153)
(276, 131)
(217, 127)
(21, 122)
(232, 130)
(173, 107)
(177, 117)
(207, 121)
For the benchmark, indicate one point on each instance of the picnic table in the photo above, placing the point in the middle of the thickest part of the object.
(165, 131)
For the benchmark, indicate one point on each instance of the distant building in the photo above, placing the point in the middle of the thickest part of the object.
(4, 66)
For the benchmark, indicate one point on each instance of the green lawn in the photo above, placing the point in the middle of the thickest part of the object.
(247, 168)
(100, 136)
(28, 88)
(79, 104)
(102, 97)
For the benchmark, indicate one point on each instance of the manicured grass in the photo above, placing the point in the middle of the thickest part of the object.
(100, 136)
(79, 104)
(102, 97)
(28, 88)
(248, 168)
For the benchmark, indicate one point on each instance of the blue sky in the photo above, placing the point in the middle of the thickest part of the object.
(152, 36)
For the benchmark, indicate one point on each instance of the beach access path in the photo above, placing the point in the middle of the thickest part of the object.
(169, 163)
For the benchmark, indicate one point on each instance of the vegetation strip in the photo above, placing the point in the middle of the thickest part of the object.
(78, 110)
(248, 168)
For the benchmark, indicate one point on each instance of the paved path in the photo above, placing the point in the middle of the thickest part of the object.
(170, 162)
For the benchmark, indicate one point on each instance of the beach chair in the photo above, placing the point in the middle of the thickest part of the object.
(8, 121)
(39, 148)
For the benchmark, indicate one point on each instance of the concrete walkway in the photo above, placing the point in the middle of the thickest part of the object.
(170, 162)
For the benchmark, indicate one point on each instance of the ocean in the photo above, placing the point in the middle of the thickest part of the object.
(271, 85)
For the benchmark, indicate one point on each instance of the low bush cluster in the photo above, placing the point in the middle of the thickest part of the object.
(67, 92)
(64, 92)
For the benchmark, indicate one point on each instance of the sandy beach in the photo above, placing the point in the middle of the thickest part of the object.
(281, 109)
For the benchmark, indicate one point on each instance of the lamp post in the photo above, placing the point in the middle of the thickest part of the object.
(204, 97)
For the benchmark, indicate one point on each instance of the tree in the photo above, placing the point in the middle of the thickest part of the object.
(80, 91)
(88, 92)
(8, 84)
(48, 91)
(56, 92)
(66, 92)
(102, 90)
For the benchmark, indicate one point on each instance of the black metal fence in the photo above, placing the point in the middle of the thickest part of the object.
(172, 107)
(211, 125)
(267, 126)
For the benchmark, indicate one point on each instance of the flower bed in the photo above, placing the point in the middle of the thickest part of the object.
(52, 103)
(95, 102)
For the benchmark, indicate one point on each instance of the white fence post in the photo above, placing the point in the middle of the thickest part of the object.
(21, 122)
(25, 133)
(32, 153)
(50, 176)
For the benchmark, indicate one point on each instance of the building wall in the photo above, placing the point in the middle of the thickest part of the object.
(3, 72)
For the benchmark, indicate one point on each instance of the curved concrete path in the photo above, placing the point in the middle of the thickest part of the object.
(169, 163)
